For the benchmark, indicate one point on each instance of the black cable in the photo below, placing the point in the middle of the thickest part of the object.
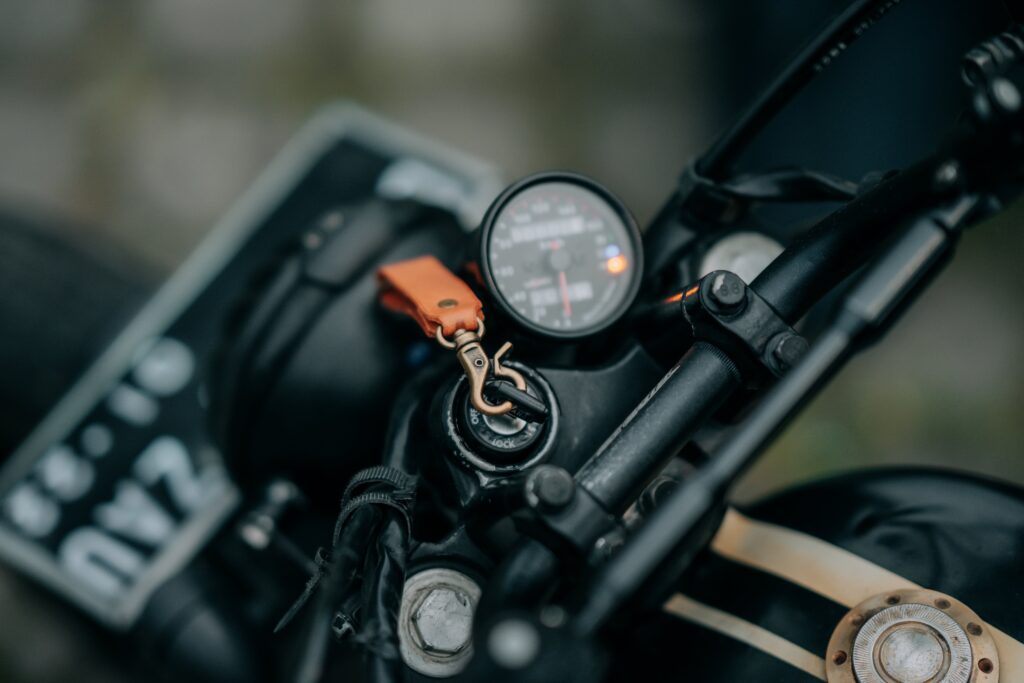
(382, 599)
(371, 543)
(789, 184)
(346, 562)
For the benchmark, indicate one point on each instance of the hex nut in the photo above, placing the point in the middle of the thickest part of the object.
(443, 621)
(435, 621)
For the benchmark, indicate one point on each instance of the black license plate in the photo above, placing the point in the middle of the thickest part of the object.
(120, 487)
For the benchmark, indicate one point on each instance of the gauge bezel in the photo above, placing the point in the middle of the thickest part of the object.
(618, 208)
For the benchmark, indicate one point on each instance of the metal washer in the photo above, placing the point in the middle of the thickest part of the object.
(912, 636)
(416, 589)
(931, 647)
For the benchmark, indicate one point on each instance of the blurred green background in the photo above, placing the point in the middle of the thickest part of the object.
(136, 124)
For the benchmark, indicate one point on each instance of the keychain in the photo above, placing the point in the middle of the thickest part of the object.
(448, 310)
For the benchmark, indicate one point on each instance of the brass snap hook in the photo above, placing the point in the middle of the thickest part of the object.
(501, 371)
(478, 366)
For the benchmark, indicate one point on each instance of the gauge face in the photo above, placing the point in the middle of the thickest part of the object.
(561, 255)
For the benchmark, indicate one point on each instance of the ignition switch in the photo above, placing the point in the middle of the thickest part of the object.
(502, 438)
(502, 444)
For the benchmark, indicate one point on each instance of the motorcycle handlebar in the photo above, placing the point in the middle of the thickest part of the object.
(975, 157)
(705, 378)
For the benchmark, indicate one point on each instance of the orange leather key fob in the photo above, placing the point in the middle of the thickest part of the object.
(434, 296)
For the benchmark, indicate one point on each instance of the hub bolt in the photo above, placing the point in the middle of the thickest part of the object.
(443, 621)
(788, 349)
(727, 292)
(550, 487)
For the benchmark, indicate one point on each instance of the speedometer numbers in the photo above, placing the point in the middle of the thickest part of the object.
(561, 255)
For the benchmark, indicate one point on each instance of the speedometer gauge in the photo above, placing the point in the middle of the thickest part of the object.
(561, 255)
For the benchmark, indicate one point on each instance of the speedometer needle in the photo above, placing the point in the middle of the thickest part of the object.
(563, 285)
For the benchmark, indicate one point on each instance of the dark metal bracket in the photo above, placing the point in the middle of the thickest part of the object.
(723, 311)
